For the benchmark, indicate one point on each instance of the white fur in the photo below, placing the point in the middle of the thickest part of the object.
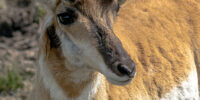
(70, 50)
(91, 89)
(57, 93)
(187, 91)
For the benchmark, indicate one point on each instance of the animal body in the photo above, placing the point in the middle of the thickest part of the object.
(87, 52)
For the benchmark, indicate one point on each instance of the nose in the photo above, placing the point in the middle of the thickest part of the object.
(126, 70)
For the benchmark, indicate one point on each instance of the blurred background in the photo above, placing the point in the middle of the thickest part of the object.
(19, 25)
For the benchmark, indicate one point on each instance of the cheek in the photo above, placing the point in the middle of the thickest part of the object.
(92, 57)
(78, 31)
(79, 45)
(70, 50)
(79, 52)
(82, 54)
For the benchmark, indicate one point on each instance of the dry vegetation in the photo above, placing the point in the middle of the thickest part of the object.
(19, 22)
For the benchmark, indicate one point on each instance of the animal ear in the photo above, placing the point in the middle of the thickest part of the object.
(121, 2)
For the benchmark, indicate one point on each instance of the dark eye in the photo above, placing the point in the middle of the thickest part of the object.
(67, 17)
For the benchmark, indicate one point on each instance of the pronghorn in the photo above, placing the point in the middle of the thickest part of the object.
(83, 55)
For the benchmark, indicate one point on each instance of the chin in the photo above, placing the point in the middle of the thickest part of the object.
(119, 82)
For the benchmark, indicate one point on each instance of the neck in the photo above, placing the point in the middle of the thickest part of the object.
(62, 83)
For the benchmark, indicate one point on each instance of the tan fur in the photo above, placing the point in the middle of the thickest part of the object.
(161, 36)
(161, 41)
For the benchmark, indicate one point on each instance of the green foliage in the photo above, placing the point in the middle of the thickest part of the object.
(2, 4)
(10, 82)
(40, 12)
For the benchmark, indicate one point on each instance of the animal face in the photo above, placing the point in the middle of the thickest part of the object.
(83, 31)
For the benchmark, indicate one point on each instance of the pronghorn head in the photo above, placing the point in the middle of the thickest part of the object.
(83, 30)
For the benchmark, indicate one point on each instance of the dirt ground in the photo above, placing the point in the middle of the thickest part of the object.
(19, 24)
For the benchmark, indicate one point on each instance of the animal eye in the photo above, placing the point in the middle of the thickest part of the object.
(68, 17)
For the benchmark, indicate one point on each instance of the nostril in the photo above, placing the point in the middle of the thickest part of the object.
(124, 70)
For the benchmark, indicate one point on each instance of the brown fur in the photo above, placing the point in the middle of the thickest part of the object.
(161, 36)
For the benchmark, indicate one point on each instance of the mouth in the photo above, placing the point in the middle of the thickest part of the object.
(117, 79)
(116, 82)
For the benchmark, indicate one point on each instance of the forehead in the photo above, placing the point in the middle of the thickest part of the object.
(99, 11)
(104, 2)
(87, 5)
